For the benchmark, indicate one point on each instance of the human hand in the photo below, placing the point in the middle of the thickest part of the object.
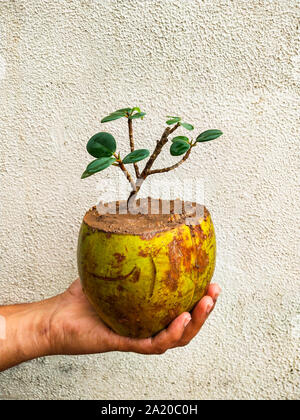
(75, 328)
(67, 324)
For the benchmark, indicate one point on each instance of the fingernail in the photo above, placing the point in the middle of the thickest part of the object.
(216, 296)
(187, 320)
(209, 308)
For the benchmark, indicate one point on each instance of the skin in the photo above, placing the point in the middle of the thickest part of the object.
(67, 324)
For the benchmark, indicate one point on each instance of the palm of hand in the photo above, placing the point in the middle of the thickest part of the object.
(75, 328)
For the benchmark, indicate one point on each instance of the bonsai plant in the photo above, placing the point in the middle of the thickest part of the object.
(141, 270)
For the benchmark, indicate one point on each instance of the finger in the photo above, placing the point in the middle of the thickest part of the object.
(170, 337)
(166, 339)
(199, 316)
(214, 291)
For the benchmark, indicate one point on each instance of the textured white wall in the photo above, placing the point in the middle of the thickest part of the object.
(232, 65)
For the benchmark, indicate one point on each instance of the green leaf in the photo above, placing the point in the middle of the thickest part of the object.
(136, 108)
(85, 175)
(112, 117)
(180, 138)
(179, 148)
(209, 135)
(97, 166)
(189, 127)
(137, 115)
(136, 156)
(173, 121)
(125, 110)
(101, 145)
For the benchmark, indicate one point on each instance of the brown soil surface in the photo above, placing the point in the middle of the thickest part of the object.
(149, 216)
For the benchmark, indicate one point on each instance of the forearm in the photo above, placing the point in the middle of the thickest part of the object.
(24, 333)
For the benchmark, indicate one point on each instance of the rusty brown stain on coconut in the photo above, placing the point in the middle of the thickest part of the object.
(186, 254)
(143, 253)
(93, 265)
(151, 235)
(171, 278)
(148, 251)
(181, 248)
(211, 232)
(119, 257)
(206, 214)
(196, 230)
(85, 235)
(202, 260)
(179, 253)
(158, 306)
(110, 300)
(135, 275)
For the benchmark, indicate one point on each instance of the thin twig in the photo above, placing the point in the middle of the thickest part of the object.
(170, 168)
(131, 140)
(174, 128)
(146, 171)
(160, 144)
(126, 173)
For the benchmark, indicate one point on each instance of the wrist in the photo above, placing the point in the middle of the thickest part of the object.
(31, 331)
(27, 333)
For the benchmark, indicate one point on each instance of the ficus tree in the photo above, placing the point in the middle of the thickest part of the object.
(103, 147)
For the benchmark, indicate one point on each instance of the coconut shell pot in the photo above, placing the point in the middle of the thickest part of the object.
(139, 281)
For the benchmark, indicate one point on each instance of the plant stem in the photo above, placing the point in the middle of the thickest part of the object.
(126, 173)
(147, 170)
(131, 140)
(160, 144)
(170, 168)
(174, 128)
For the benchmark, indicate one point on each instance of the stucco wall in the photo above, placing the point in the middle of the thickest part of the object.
(232, 65)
